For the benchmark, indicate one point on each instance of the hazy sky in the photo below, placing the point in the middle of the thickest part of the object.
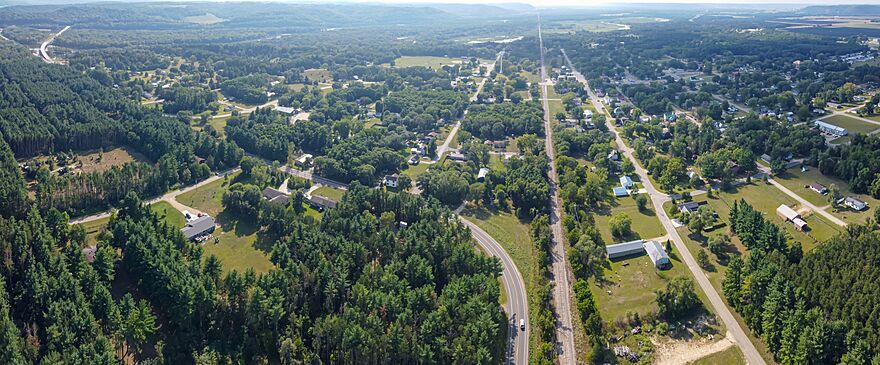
(545, 3)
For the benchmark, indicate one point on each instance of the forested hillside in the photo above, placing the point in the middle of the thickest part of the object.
(47, 109)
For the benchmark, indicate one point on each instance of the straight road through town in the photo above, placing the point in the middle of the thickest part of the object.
(751, 354)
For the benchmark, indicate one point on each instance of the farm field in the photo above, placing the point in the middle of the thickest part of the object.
(205, 19)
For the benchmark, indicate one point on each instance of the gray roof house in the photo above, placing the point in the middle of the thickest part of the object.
(198, 227)
(855, 203)
(275, 196)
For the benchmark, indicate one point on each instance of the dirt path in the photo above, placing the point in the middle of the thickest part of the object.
(683, 352)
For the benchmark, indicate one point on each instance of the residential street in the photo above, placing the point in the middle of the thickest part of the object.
(657, 199)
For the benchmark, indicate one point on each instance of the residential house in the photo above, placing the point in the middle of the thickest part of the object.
(688, 207)
(620, 191)
(855, 203)
(304, 160)
(457, 156)
(481, 175)
(391, 180)
(275, 196)
(321, 203)
(818, 188)
(626, 182)
(198, 227)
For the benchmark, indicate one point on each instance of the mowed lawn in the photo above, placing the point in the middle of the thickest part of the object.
(852, 125)
(797, 181)
(645, 224)
(731, 356)
(237, 248)
(208, 198)
(169, 214)
(328, 192)
(629, 285)
(165, 211)
(766, 198)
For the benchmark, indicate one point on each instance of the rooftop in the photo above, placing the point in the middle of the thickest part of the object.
(197, 226)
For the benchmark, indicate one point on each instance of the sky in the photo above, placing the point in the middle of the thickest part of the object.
(552, 3)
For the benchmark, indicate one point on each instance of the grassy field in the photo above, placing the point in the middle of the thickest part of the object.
(95, 161)
(169, 213)
(318, 74)
(645, 224)
(515, 237)
(796, 181)
(328, 192)
(205, 19)
(207, 198)
(731, 356)
(629, 286)
(429, 61)
(164, 209)
(530, 76)
(852, 125)
(93, 228)
(766, 198)
(414, 171)
(219, 125)
(238, 247)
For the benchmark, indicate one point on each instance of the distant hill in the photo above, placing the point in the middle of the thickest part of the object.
(841, 10)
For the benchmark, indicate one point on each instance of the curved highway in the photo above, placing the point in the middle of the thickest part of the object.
(517, 300)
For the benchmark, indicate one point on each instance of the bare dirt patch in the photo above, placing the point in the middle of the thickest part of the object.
(97, 161)
(681, 352)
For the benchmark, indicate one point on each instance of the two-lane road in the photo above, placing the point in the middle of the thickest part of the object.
(751, 354)
(517, 300)
(44, 47)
